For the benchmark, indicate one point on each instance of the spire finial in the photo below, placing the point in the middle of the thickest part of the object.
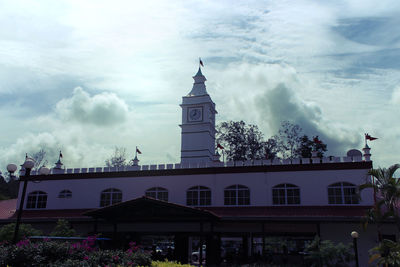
(199, 88)
(59, 163)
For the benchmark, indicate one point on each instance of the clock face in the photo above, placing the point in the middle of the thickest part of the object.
(195, 114)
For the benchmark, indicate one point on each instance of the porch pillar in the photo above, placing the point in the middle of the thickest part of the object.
(181, 248)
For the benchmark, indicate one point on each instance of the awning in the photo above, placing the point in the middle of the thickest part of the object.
(146, 209)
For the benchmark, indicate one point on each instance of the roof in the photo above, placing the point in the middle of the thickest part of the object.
(150, 209)
(161, 210)
(210, 170)
(291, 212)
(7, 208)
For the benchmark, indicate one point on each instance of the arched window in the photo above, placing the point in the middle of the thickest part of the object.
(237, 195)
(198, 196)
(285, 194)
(65, 194)
(110, 196)
(159, 193)
(36, 200)
(342, 193)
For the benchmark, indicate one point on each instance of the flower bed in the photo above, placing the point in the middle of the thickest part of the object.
(52, 253)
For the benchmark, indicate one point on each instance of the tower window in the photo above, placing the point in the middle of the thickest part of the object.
(159, 193)
(36, 200)
(198, 196)
(237, 195)
(285, 194)
(110, 196)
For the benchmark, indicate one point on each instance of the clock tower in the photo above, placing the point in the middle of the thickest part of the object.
(198, 124)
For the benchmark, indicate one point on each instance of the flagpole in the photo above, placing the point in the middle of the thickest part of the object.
(136, 152)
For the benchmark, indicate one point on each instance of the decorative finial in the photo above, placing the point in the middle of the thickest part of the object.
(136, 160)
(59, 163)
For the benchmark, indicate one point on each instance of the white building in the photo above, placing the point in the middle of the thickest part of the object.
(244, 205)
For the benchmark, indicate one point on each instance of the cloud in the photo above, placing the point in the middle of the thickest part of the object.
(281, 104)
(103, 109)
(395, 96)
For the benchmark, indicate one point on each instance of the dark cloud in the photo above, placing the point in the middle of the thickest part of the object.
(280, 104)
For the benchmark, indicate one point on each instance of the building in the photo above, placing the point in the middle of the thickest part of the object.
(231, 210)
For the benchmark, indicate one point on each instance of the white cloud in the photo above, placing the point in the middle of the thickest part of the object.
(103, 109)
(396, 95)
(136, 60)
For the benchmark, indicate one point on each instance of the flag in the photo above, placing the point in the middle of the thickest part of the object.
(316, 140)
(201, 62)
(370, 138)
(219, 146)
(61, 155)
(138, 151)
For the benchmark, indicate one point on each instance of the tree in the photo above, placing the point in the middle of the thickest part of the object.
(387, 253)
(63, 228)
(289, 139)
(326, 253)
(306, 146)
(271, 148)
(25, 230)
(39, 159)
(245, 142)
(387, 190)
(118, 159)
(241, 141)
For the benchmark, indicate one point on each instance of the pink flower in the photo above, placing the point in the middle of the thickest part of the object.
(86, 258)
(23, 242)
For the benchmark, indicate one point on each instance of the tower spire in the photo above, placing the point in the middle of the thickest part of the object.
(199, 88)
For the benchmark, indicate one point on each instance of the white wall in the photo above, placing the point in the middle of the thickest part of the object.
(313, 187)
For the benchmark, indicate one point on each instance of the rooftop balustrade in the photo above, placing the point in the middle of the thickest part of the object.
(301, 161)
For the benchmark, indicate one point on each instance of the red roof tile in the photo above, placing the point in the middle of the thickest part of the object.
(290, 211)
(7, 208)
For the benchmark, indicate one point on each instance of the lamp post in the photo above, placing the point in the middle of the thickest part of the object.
(354, 235)
(28, 165)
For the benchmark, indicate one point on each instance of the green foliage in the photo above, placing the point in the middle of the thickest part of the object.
(326, 253)
(241, 141)
(387, 253)
(63, 228)
(168, 264)
(306, 146)
(246, 142)
(25, 230)
(118, 159)
(52, 253)
(387, 189)
(9, 187)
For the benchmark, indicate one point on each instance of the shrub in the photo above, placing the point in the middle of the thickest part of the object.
(326, 253)
(7, 231)
(169, 264)
(53, 253)
(63, 228)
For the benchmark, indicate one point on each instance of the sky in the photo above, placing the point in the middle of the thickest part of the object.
(85, 77)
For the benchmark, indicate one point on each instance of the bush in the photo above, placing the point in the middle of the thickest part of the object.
(326, 253)
(83, 253)
(25, 230)
(63, 229)
(169, 264)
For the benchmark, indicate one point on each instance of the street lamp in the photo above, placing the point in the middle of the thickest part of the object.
(354, 235)
(28, 165)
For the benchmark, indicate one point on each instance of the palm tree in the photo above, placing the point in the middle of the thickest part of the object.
(387, 191)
